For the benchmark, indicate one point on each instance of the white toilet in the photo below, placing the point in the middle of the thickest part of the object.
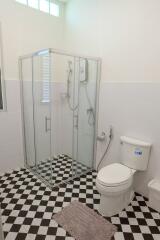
(115, 181)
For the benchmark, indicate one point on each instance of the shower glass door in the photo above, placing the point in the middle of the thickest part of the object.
(42, 114)
(85, 115)
(62, 110)
(28, 112)
(59, 95)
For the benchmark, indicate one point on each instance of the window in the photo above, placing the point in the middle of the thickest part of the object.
(46, 6)
(54, 9)
(33, 4)
(46, 79)
(22, 1)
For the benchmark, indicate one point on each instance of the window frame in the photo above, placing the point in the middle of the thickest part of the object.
(3, 87)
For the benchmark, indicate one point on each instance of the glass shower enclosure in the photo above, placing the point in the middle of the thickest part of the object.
(59, 94)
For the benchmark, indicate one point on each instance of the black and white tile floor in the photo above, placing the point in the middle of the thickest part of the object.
(27, 208)
(59, 169)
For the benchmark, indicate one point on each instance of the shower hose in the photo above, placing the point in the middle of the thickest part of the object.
(106, 150)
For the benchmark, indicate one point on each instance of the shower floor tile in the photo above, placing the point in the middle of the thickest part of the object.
(27, 207)
(59, 169)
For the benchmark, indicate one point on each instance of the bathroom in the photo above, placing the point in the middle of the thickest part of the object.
(124, 37)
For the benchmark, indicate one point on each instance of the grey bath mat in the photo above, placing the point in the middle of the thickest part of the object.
(84, 223)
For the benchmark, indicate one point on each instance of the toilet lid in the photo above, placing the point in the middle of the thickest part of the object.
(114, 174)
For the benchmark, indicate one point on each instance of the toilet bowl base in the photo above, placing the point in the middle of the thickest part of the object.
(112, 205)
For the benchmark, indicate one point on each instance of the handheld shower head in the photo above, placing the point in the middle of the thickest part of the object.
(70, 65)
(69, 72)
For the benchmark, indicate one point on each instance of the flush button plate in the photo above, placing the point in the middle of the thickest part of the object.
(138, 152)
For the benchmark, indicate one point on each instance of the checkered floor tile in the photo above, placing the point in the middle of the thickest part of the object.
(59, 169)
(27, 208)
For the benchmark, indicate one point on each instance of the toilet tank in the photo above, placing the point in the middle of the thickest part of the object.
(135, 153)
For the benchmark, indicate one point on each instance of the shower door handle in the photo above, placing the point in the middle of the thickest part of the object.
(46, 124)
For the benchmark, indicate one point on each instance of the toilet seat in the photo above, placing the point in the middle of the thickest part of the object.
(115, 175)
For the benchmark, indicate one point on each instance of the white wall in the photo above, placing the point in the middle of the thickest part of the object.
(125, 34)
(24, 30)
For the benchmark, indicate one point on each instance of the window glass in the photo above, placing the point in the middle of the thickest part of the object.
(54, 9)
(44, 6)
(22, 1)
(33, 4)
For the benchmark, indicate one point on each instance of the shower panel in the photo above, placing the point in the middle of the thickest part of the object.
(59, 105)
